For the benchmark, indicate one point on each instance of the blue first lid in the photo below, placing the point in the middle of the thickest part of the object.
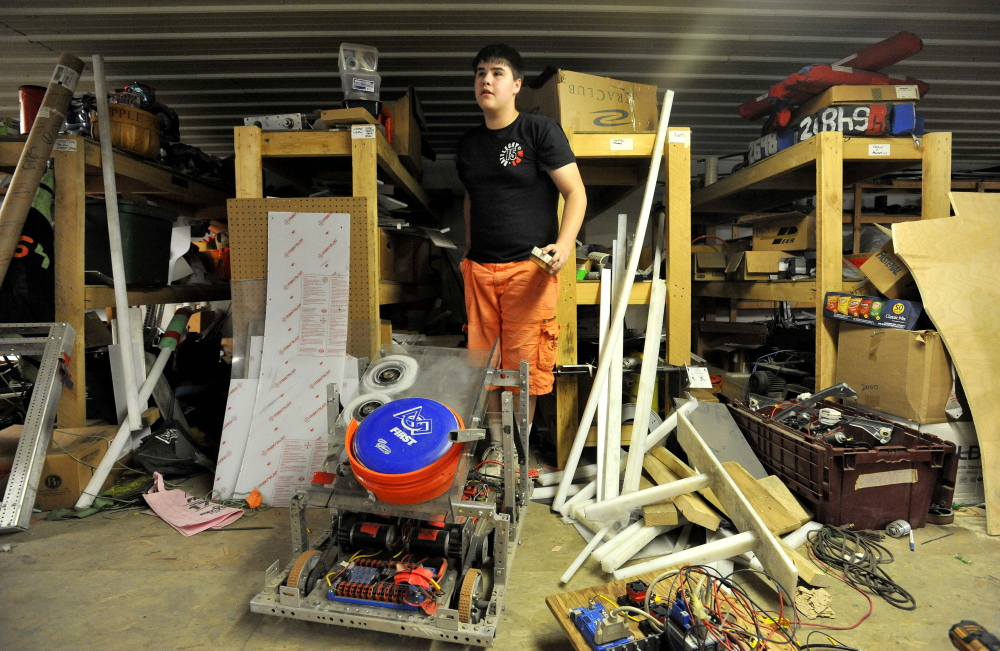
(404, 435)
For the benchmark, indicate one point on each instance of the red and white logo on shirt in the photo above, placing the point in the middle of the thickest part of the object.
(511, 154)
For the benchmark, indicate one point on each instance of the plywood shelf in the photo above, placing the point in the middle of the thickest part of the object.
(100, 296)
(588, 292)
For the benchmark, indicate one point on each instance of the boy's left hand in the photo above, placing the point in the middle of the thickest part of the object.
(561, 254)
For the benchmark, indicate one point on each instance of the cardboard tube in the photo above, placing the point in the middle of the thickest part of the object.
(35, 156)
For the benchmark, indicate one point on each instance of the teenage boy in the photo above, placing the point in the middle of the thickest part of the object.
(514, 167)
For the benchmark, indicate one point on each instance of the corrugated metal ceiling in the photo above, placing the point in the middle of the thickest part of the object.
(216, 63)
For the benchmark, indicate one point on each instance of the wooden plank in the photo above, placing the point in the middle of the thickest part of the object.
(777, 489)
(598, 145)
(567, 398)
(347, 116)
(249, 173)
(588, 291)
(659, 513)
(68, 257)
(691, 506)
(900, 149)
(951, 259)
(808, 570)
(936, 177)
(98, 296)
(829, 238)
(389, 163)
(774, 515)
(741, 513)
(683, 471)
(275, 144)
(677, 159)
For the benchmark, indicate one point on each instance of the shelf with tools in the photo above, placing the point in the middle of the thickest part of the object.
(821, 166)
(611, 165)
(361, 158)
(78, 175)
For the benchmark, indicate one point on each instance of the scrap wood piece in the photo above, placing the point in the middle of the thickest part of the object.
(950, 259)
(809, 571)
(658, 513)
(775, 516)
(692, 506)
(682, 470)
(779, 491)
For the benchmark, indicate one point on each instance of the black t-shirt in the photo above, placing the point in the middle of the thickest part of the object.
(514, 201)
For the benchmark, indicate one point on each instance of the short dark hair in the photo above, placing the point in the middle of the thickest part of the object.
(500, 53)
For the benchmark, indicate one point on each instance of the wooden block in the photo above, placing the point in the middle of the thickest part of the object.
(692, 506)
(660, 513)
(347, 116)
(682, 470)
(704, 395)
(385, 331)
(775, 516)
(777, 489)
(809, 571)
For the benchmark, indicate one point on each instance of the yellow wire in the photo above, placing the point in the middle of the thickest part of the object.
(435, 584)
(607, 599)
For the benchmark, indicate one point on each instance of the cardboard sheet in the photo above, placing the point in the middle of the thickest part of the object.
(954, 263)
(305, 331)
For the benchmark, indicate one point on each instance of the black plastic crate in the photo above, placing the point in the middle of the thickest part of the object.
(868, 488)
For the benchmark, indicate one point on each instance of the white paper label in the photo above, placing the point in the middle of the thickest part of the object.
(44, 111)
(65, 144)
(621, 144)
(679, 136)
(362, 131)
(366, 85)
(907, 92)
(698, 377)
(66, 77)
(878, 150)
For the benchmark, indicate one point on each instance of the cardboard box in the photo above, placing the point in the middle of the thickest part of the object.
(857, 95)
(755, 265)
(792, 231)
(888, 273)
(589, 103)
(65, 472)
(873, 311)
(903, 373)
(708, 262)
(969, 487)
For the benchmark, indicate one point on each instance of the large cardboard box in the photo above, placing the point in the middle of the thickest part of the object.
(889, 274)
(857, 95)
(66, 470)
(905, 373)
(755, 265)
(588, 103)
(794, 231)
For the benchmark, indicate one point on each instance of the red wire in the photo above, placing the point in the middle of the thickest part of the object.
(483, 463)
(712, 237)
(775, 409)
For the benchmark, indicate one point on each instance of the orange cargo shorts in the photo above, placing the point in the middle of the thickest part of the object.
(515, 301)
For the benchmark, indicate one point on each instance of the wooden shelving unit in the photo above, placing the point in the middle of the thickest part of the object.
(78, 175)
(822, 166)
(611, 165)
(335, 154)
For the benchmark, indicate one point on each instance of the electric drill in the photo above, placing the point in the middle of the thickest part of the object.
(970, 636)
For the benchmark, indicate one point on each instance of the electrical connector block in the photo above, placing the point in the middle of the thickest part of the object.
(599, 628)
(679, 613)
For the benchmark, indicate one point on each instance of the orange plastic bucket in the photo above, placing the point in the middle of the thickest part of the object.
(413, 487)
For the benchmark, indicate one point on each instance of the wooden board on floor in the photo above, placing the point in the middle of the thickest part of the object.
(658, 513)
(693, 507)
(954, 262)
(771, 511)
(682, 470)
(777, 489)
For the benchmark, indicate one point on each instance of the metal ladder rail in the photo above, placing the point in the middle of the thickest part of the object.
(52, 341)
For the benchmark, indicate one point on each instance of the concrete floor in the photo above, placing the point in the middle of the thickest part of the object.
(131, 582)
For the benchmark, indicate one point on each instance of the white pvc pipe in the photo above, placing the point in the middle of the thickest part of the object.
(575, 565)
(122, 437)
(613, 430)
(548, 492)
(632, 546)
(583, 472)
(610, 509)
(133, 417)
(575, 511)
(616, 541)
(603, 343)
(796, 538)
(618, 317)
(586, 493)
(707, 553)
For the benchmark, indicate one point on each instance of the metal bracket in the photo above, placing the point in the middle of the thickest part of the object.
(50, 341)
(466, 435)
(297, 513)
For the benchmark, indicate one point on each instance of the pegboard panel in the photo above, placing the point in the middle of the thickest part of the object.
(248, 257)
